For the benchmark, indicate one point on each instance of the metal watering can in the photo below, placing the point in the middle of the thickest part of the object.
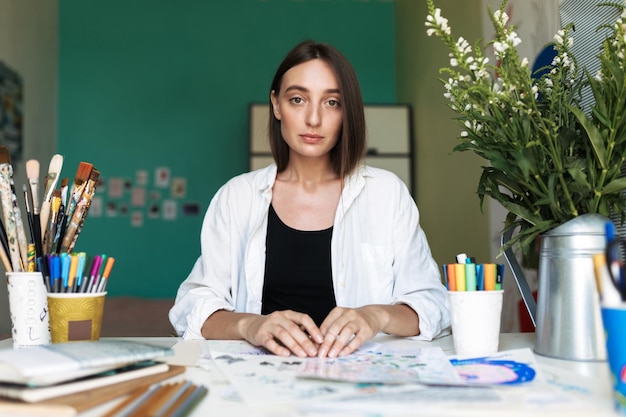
(567, 314)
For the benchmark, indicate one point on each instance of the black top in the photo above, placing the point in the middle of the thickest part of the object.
(298, 274)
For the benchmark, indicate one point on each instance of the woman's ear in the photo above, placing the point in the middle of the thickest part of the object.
(275, 107)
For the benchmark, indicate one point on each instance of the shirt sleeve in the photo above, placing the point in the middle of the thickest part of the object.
(208, 286)
(418, 281)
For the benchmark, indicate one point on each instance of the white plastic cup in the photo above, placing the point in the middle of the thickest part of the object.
(476, 321)
(28, 307)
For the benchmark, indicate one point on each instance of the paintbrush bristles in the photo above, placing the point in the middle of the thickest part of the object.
(56, 163)
(5, 155)
(54, 168)
(80, 180)
(32, 172)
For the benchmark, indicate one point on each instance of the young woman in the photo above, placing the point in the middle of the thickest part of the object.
(316, 253)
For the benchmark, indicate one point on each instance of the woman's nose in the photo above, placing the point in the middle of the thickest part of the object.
(313, 116)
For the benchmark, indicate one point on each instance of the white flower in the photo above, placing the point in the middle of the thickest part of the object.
(464, 134)
(535, 91)
(598, 75)
(513, 39)
(558, 37)
(524, 62)
(438, 23)
(482, 74)
(500, 46)
(463, 47)
(501, 17)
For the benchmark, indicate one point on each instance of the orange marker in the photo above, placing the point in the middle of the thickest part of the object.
(105, 274)
(451, 277)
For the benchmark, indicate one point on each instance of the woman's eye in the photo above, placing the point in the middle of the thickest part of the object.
(333, 103)
(296, 100)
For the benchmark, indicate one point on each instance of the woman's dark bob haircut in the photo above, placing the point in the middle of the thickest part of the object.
(350, 148)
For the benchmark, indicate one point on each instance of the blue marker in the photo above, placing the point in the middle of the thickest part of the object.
(65, 269)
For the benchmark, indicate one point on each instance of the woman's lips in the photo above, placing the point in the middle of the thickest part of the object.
(311, 137)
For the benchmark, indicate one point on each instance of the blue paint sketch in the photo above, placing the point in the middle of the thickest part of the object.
(489, 371)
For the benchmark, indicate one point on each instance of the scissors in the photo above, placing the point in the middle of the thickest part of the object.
(615, 253)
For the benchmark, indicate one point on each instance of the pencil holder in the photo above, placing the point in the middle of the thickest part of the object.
(28, 308)
(475, 318)
(75, 316)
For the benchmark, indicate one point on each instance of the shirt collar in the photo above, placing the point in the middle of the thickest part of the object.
(264, 179)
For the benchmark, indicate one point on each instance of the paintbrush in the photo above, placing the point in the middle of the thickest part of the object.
(8, 212)
(55, 205)
(32, 172)
(64, 186)
(19, 223)
(3, 238)
(5, 260)
(76, 192)
(75, 223)
(62, 215)
(31, 256)
(29, 213)
(54, 169)
(22, 240)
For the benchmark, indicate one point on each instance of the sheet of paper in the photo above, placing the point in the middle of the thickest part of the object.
(508, 367)
(506, 381)
(428, 365)
(268, 379)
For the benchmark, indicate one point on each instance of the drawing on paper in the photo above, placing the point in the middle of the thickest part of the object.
(493, 371)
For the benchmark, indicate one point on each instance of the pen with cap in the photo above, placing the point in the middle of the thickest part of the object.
(105, 274)
(93, 273)
(65, 271)
(73, 270)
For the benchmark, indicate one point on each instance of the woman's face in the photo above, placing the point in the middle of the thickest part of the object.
(309, 108)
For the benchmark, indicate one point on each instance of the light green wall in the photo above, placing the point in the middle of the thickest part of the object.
(446, 183)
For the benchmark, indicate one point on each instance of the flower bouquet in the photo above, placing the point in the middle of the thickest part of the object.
(549, 158)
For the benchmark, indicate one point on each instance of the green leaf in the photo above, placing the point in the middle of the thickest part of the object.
(595, 138)
(618, 185)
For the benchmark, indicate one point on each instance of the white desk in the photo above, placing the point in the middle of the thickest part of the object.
(214, 404)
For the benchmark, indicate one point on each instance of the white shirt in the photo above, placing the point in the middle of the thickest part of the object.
(379, 252)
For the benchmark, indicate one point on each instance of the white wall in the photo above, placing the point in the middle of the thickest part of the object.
(29, 45)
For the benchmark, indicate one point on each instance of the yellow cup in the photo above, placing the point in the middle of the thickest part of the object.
(75, 316)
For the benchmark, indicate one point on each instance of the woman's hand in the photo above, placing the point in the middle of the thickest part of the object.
(283, 333)
(346, 329)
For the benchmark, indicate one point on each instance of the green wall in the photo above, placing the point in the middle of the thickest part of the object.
(446, 183)
(145, 84)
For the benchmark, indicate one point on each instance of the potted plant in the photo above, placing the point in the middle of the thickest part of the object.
(549, 160)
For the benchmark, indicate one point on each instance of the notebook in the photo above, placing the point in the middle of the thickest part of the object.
(73, 404)
(59, 362)
(114, 376)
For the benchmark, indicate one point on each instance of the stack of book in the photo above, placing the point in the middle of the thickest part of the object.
(68, 378)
